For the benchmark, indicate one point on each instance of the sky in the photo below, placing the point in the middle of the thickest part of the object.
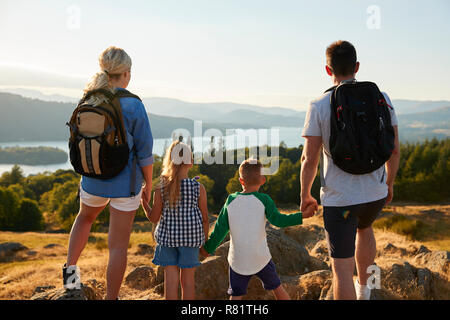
(268, 53)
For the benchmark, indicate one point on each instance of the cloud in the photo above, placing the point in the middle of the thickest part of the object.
(12, 74)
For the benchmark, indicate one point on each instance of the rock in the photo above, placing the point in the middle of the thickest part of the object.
(145, 249)
(141, 278)
(422, 249)
(31, 253)
(412, 249)
(41, 289)
(437, 261)
(289, 256)
(159, 275)
(389, 248)
(8, 249)
(56, 231)
(159, 289)
(84, 293)
(222, 250)
(408, 282)
(309, 286)
(211, 278)
(306, 236)
(327, 290)
(52, 245)
(320, 251)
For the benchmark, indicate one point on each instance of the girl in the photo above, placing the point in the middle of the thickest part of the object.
(180, 209)
(114, 74)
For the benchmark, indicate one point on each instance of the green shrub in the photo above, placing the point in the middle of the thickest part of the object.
(413, 229)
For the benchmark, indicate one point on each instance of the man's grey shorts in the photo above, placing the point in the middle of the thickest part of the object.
(341, 224)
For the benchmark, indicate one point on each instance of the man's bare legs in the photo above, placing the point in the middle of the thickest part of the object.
(343, 287)
(365, 253)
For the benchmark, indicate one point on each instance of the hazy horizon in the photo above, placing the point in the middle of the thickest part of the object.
(264, 53)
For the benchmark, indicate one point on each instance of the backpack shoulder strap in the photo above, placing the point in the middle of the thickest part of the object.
(330, 89)
(105, 92)
(122, 93)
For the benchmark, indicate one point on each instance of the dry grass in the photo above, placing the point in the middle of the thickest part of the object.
(18, 279)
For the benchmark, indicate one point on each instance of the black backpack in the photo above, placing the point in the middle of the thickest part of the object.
(98, 139)
(361, 134)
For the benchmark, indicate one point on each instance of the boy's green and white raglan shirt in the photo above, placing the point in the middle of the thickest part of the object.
(244, 216)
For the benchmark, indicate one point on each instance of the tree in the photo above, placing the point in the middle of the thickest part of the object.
(28, 217)
(9, 204)
(233, 184)
(13, 177)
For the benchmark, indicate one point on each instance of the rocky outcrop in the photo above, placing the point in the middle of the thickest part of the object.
(437, 261)
(10, 249)
(141, 278)
(145, 249)
(408, 282)
(88, 291)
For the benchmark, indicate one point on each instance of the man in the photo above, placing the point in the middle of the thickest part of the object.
(350, 202)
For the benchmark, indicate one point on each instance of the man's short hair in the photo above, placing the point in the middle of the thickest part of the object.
(341, 58)
(250, 171)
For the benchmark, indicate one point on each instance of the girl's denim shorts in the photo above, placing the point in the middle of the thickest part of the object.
(183, 257)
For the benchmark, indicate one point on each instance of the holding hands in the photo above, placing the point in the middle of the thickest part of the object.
(308, 206)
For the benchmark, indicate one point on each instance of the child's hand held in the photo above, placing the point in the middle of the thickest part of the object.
(203, 252)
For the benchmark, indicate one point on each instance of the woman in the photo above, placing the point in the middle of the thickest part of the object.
(115, 74)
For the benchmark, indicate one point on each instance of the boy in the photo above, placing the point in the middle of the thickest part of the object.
(244, 216)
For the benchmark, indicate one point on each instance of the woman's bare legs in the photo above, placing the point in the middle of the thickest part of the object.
(120, 226)
(80, 231)
(171, 282)
(187, 276)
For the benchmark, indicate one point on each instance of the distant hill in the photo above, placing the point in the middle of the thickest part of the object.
(25, 119)
(226, 112)
(403, 106)
(419, 126)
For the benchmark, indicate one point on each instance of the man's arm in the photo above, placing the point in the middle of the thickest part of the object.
(392, 167)
(308, 171)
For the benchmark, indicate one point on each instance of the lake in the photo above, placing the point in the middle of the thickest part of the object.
(290, 136)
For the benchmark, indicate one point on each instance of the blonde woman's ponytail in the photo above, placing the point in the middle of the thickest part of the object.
(113, 62)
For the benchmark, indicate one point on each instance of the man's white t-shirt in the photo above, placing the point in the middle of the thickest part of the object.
(339, 188)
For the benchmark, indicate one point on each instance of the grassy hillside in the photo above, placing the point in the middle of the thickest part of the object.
(41, 266)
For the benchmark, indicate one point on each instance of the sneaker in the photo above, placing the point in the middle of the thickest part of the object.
(71, 277)
(362, 291)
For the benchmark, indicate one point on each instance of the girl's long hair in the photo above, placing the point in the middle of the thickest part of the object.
(113, 62)
(177, 155)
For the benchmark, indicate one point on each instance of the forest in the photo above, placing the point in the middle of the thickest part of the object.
(48, 201)
(32, 156)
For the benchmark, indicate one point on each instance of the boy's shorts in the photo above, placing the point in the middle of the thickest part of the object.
(122, 204)
(182, 257)
(239, 283)
(341, 224)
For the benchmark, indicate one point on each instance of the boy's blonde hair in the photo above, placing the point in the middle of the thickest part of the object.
(250, 171)
(177, 155)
